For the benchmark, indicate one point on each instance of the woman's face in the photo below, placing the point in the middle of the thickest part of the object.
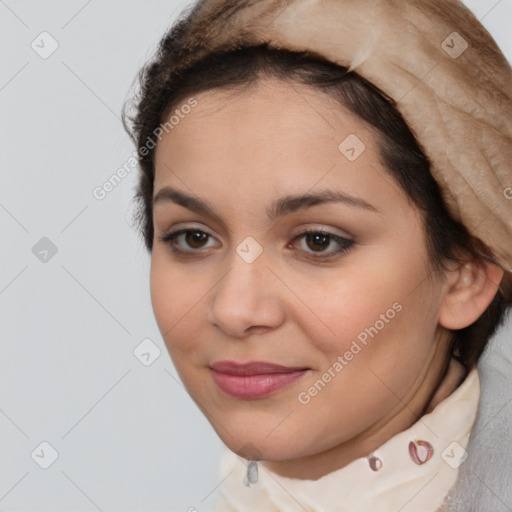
(355, 316)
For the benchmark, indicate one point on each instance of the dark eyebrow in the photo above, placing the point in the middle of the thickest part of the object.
(293, 203)
(279, 208)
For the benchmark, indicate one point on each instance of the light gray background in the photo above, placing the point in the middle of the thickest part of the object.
(128, 436)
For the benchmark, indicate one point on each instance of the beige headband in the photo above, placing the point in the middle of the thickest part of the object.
(451, 83)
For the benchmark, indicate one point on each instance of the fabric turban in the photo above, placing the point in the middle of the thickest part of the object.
(450, 82)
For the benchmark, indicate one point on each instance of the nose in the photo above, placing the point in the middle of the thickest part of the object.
(247, 299)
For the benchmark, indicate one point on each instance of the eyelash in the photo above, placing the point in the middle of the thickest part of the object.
(345, 244)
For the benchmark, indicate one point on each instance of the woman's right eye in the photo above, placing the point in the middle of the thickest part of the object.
(194, 238)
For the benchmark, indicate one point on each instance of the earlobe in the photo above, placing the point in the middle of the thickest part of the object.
(471, 287)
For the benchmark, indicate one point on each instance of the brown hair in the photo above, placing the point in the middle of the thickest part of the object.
(400, 152)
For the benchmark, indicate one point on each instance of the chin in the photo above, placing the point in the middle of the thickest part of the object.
(260, 447)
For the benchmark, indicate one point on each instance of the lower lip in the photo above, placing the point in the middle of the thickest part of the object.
(254, 386)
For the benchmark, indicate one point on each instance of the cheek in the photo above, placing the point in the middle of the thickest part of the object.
(163, 287)
(175, 298)
(384, 324)
(378, 317)
(345, 304)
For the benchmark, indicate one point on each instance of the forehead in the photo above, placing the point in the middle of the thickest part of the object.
(269, 140)
(271, 118)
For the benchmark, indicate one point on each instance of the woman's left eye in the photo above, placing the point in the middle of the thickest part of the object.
(320, 240)
(317, 240)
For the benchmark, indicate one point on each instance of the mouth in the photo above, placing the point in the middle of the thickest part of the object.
(253, 380)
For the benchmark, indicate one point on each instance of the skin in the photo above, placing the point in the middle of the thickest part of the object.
(239, 153)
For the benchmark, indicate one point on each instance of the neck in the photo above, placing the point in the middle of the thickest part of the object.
(452, 379)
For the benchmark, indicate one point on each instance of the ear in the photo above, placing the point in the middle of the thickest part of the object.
(470, 288)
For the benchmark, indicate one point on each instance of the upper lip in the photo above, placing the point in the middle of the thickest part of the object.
(253, 368)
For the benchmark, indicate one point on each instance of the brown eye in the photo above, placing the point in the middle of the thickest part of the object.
(186, 240)
(318, 241)
(195, 239)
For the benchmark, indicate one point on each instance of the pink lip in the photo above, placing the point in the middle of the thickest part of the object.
(253, 380)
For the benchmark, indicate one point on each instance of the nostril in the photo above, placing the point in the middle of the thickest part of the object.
(256, 329)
